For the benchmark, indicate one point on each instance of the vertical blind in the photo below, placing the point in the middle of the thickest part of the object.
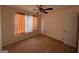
(35, 23)
(20, 23)
(26, 23)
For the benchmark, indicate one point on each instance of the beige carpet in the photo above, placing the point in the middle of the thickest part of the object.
(40, 44)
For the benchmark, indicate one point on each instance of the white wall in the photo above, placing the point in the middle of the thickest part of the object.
(53, 25)
(0, 31)
(8, 27)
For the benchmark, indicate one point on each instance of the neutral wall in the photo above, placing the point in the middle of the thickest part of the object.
(53, 24)
(8, 27)
(78, 42)
(78, 30)
(0, 31)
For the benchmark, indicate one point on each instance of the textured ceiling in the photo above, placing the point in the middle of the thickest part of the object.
(31, 7)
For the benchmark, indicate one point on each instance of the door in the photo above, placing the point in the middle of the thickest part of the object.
(70, 29)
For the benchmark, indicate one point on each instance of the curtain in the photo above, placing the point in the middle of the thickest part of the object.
(35, 23)
(20, 23)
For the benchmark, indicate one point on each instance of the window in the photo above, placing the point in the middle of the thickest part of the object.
(20, 23)
(25, 23)
(28, 23)
(35, 23)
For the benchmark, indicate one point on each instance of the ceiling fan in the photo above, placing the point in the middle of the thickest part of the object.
(42, 10)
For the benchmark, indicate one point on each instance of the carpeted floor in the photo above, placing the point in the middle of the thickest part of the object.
(40, 44)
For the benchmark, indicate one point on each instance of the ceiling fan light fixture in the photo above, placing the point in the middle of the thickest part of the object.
(42, 10)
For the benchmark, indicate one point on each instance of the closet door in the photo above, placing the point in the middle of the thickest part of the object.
(70, 29)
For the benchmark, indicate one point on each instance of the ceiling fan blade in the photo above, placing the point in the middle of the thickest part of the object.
(39, 8)
(48, 9)
(45, 12)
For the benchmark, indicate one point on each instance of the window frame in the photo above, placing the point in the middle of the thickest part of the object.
(23, 33)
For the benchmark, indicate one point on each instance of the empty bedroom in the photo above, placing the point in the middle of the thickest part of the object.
(39, 28)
